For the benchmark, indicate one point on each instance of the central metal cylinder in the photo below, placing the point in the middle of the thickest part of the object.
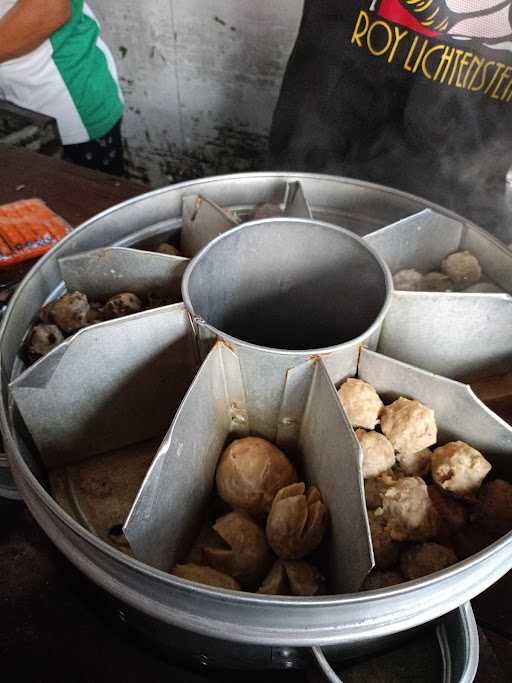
(288, 284)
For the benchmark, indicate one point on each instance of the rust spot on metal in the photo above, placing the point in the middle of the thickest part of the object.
(227, 344)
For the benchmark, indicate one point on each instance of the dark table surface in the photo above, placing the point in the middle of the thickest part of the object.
(52, 627)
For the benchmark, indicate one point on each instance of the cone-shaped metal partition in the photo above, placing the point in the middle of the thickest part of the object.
(170, 508)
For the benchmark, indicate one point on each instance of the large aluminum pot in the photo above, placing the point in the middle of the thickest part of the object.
(268, 631)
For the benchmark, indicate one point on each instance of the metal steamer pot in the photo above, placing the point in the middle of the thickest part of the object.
(212, 625)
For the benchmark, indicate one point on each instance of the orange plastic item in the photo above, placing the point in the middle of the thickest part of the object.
(28, 229)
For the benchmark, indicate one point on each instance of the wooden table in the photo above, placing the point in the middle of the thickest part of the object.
(48, 631)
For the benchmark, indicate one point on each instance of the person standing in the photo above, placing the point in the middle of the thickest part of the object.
(53, 61)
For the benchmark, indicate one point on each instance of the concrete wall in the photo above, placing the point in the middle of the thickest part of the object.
(200, 78)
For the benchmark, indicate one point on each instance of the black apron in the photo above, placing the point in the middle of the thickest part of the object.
(415, 94)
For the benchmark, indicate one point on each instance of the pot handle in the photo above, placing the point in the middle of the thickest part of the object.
(442, 639)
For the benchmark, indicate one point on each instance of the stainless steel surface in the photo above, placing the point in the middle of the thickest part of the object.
(190, 614)
(296, 205)
(457, 636)
(203, 220)
(276, 309)
(455, 335)
(107, 386)
(101, 273)
(166, 519)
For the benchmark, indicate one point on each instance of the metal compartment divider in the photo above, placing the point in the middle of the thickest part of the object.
(456, 335)
(165, 517)
(109, 385)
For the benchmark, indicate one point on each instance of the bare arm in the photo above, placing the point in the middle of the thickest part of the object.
(28, 24)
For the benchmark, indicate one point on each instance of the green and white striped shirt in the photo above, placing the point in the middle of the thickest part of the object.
(71, 76)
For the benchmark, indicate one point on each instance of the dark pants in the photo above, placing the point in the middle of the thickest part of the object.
(103, 154)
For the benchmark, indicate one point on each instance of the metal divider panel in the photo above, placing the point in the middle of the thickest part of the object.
(104, 272)
(109, 385)
(266, 375)
(460, 336)
(203, 220)
(170, 507)
(460, 415)
(495, 258)
(295, 204)
(420, 241)
(332, 460)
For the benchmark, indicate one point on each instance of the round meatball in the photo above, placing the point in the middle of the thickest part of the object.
(122, 304)
(386, 550)
(360, 402)
(374, 488)
(292, 578)
(167, 249)
(459, 469)
(452, 515)
(297, 522)
(408, 510)
(408, 280)
(415, 464)
(409, 425)
(250, 473)
(494, 511)
(426, 558)
(70, 312)
(436, 282)
(378, 453)
(43, 339)
(243, 552)
(462, 268)
(206, 575)
(379, 579)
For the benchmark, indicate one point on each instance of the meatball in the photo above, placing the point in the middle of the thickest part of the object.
(250, 473)
(462, 268)
(167, 249)
(122, 304)
(459, 469)
(360, 402)
(426, 558)
(297, 522)
(243, 552)
(408, 510)
(374, 488)
(206, 575)
(95, 315)
(292, 578)
(408, 280)
(385, 549)
(436, 282)
(452, 515)
(415, 464)
(379, 579)
(409, 425)
(494, 512)
(43, 339)
(70, 312)
(378, 453)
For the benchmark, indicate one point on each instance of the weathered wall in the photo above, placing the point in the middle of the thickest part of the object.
(200, 78)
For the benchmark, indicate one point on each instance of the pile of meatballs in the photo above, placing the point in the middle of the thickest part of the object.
(273, 524)
(459, 272)
(427, 508)
(73, 311)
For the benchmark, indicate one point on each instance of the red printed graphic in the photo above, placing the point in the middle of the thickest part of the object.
(488, 21)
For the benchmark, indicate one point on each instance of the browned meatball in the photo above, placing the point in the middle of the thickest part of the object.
(122, 304)
(459, 469)
(408, 510)
(378, 453)
(420, 560)
(409, 425)
(206, 575)
(494, 511)
(70, 312)
(385, 549)
(452, 515)
(379, 579)
(43, 339)
(360, 402)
